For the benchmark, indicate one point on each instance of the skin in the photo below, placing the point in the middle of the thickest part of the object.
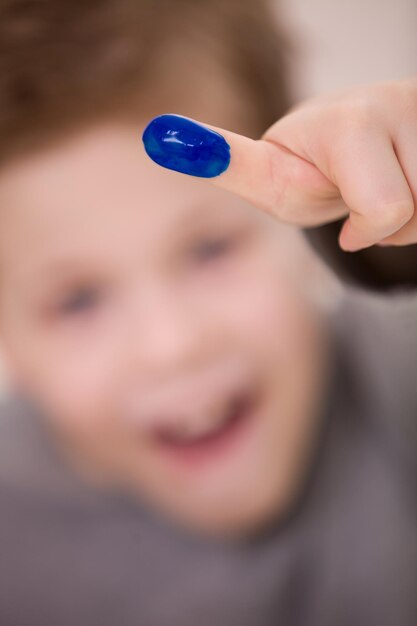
(123, 281)
(108, 292)
(349, 153)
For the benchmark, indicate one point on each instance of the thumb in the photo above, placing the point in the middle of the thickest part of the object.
(261, 171)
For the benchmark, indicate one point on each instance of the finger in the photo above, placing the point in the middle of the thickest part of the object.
(262, 172)
(406, 150)
(405, 236)
(373, 185)
(280, 182)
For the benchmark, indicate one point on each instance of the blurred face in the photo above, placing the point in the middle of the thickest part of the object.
(161, 325)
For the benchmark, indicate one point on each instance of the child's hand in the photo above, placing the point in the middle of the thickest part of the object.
(353, 153)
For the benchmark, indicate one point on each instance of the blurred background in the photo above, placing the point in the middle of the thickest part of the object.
(334, 44)
(345, 43)
(337, 44)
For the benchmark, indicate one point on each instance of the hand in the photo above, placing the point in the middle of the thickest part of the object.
(352, 153)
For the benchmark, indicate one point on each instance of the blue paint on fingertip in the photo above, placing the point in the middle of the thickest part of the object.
(185, 146)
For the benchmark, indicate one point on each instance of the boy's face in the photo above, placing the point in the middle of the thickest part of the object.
(160, 324)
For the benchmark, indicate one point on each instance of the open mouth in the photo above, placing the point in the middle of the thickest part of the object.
(201, 437)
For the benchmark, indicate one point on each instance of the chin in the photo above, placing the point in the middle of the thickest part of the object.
(230, 519)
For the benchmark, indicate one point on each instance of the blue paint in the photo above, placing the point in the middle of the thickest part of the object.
(180, 144)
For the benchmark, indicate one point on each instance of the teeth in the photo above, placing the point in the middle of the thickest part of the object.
(201, 425)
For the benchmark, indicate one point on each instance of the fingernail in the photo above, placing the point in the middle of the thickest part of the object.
(180, 144)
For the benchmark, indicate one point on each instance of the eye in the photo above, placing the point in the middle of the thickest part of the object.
(79, 301)
(213, 248)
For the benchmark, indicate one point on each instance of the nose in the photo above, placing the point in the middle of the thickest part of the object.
(168, 333)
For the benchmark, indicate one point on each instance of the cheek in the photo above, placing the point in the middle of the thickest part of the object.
(265, 312)
(68, 376)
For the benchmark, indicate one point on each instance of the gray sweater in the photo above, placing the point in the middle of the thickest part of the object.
(346, 555)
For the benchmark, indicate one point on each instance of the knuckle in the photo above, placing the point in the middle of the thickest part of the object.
(359, 114)
(409, 106)
(402, 211)
(394, 214)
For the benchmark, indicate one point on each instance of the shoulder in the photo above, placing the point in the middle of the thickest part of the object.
(395, 313)
(17, 439)
(377, 336)
(31, 468)
(34, 476)
(380, 332)
(24, 453)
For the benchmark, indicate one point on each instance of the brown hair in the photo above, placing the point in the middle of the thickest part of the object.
(67, 62)
(64, 63)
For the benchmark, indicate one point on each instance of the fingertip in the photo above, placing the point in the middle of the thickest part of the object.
(350, 240)
(184, 145)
